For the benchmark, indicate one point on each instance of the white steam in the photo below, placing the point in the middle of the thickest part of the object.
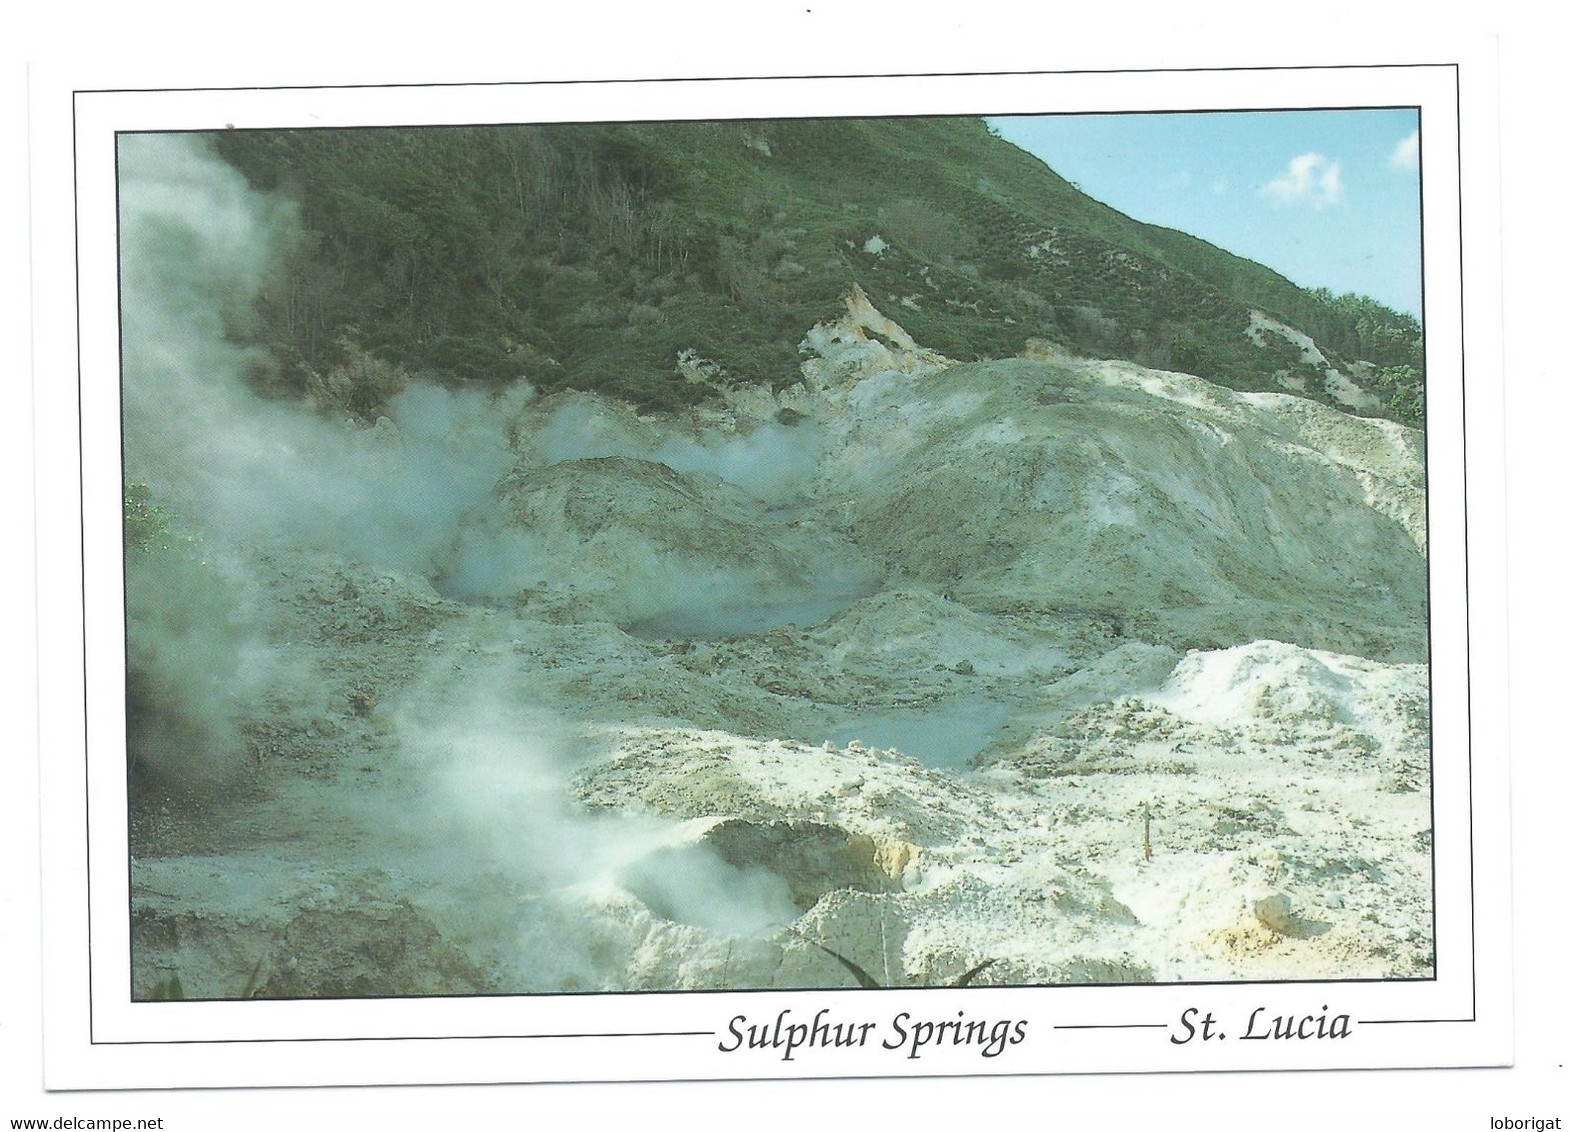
(197, 244)
(713, 551)
(775, 463)
(417, 494)
(477, 798)
(496, 776)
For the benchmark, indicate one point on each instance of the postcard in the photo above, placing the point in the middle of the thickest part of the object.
(742, 578)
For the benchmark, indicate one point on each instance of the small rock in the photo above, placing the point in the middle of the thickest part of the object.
(1276, 912)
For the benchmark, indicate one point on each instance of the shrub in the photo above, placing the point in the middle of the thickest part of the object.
(1402, 389)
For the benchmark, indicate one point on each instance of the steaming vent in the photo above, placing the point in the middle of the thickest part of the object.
(797, 862)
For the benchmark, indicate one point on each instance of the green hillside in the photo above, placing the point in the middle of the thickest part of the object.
(590, 256)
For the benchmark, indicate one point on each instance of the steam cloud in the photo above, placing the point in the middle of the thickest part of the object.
(482, 778)
(197, 246)
(774, 463)
(493, 813)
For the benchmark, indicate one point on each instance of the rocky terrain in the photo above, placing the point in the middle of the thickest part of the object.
(1064, 668)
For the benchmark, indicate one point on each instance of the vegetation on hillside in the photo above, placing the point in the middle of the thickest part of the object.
(1360, 327)
(591, 256)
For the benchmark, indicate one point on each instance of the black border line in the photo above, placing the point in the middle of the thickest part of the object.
(405, 1037)
(677, 79)
(358, 128)
(1467, 602)
(1429, 571)
(1113, 1025)
(81, 477)
(1433, 978)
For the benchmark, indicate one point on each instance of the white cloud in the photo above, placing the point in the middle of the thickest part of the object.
(1309, 178)
(1405, 155)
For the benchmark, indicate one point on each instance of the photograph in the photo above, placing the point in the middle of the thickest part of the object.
(587, 558)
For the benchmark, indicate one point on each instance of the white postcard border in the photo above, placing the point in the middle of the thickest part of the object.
(98, 1038)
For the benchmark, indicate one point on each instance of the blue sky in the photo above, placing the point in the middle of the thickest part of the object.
(1329, 198)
